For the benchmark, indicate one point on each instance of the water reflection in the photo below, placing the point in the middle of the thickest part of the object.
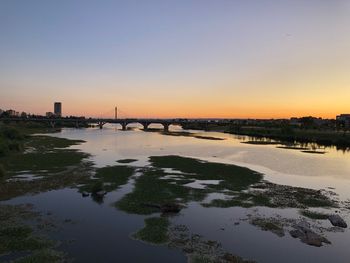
(103, 232)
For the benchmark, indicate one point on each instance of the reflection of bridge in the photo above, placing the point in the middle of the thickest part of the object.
(102, 121)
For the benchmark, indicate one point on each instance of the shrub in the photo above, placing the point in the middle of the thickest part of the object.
(3, 147)
(2, 171)
(11, 133)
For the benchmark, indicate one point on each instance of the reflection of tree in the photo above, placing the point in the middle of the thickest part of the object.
(97, 198)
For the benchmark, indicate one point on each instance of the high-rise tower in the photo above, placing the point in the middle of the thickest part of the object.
(58, 109)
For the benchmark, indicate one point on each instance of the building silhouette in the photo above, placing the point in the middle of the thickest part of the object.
(58, 109)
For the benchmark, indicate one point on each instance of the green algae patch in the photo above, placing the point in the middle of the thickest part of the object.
(184, 134)
(314, 215)
(258, 142)
(152, 188)
(277, 196)
(71, 177)
(17, 234)
(313, 152)
(193, 135)
(232, 177)
(242, 187)
(268, 224)
(45, 164)
(44, 155)
(127, 161)
(155, 231)
(198, 249)
(43, 256)
(47, 143)
(226, 258)
(108, 178)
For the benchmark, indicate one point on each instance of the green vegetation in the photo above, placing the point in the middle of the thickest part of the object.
(198, 249)
(242, 186)
(127, 161)
(48, 160)
(275, 195)
(262, 142)
(184, 134)
(190, 134)
(315, 152)
(47, 143)
(2, 171)
(18, 236)
(268, 224)
(152, 188)
(314, 215)
(281, 132)
(196, 258)
(108, 178)
(71, 177)
(289, 134)
(232, 177)
(44, 155)
(155, 231)
(209, 138)
(11, 140)
(43, 256)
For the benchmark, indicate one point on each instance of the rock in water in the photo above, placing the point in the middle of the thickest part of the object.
(85, 194)
(336, 220)
(100, 193)
(305, 234)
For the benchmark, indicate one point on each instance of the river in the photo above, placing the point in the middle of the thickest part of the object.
(100, 232)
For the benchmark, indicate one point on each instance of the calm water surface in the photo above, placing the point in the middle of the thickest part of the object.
(100, 232)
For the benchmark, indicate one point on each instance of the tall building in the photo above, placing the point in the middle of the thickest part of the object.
(58, 109)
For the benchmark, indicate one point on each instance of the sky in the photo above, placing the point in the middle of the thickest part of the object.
(176, 58)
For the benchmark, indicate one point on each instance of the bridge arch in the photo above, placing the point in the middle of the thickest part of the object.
(146, 124)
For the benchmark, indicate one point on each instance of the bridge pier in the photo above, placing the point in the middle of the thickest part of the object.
(145, 125)
(124, 126)
(100, 124)
(166, 126)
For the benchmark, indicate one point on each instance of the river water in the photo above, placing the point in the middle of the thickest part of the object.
(101, 232)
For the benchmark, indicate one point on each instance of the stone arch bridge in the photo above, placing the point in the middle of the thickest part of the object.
(100, 122)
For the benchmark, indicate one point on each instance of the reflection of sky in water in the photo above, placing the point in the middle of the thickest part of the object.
(279, 165)
(102, 231)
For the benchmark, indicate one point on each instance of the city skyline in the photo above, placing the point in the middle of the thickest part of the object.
(229, 59)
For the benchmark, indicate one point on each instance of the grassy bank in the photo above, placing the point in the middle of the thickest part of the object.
(283, 133)
(38, 163)
(22, 240)
(11, 140)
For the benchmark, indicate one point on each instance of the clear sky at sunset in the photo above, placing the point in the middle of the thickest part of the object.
(176, 58)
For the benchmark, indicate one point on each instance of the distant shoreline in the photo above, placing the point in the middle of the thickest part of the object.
(287, 134)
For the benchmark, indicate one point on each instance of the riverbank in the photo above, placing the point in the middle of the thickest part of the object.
(284, 134)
